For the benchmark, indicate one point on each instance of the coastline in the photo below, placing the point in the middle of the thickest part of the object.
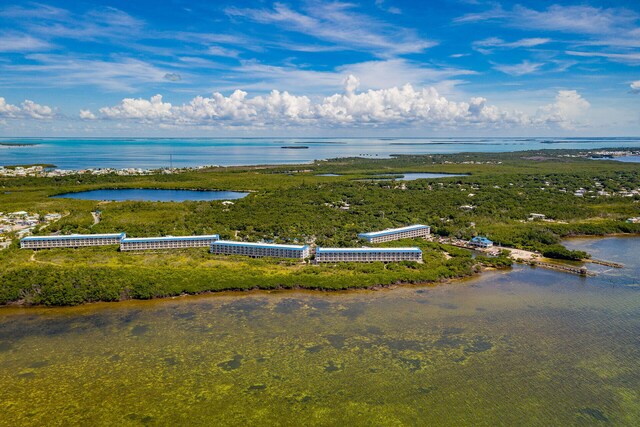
(289, 204)
(477, 273)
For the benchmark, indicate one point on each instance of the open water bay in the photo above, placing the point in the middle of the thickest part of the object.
(520, 347)
(152, 153)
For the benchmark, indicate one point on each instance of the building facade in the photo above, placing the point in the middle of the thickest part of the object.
(368, 254)
(167, 242)
(71, 241)
(481, 242)
(412, 231)
(256, 250)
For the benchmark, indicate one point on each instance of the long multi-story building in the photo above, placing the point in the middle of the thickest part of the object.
(368, 254)
(412, 231)
(167, 242)
(227, 247)
(71, 241)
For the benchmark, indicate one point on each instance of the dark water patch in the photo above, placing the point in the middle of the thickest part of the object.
(331, 366)
(115, 358)
(422, 291)
(353, 310)
(139, 330)
(288, 305)
(449, 341)
(244, 306)
(481, 309)
(98, 321)
(478, 345)
(299, 397)
(314, 349)
(231, 365)
(448, 306)
(257, 387)
(143, 419)
(412, 365)
(16, 329)
(39, 364)
(5, 346)
(184, 315)
(336, 341)
(319, 304)
(261, 359)
(594, 414)
(129, 316)
(27, 375)
(374, 330)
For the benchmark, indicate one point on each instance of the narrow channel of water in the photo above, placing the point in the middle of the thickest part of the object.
(521, 347)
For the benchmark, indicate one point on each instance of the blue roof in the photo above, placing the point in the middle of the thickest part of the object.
(170, 238)
(481, 240)
(77, 236)
(392, 231)
(259, 245)
(367, 250)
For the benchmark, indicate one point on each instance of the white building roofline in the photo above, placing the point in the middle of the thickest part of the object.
(393, 231)
(258, 245)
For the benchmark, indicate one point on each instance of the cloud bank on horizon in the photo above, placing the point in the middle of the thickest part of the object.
(319, 66)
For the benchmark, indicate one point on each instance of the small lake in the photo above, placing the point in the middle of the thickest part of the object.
(625, 159)
(153, 195)
(414, 176)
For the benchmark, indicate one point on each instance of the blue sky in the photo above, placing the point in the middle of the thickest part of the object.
(457, 67)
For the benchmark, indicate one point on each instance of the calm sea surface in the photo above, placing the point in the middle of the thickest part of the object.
(521, 347)
(180, 152)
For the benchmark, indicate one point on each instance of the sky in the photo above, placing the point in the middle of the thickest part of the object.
(319, 68)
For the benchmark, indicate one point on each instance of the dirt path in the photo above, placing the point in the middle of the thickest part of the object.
(96, 218)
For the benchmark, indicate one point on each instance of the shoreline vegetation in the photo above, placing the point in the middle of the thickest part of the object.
(293, 204)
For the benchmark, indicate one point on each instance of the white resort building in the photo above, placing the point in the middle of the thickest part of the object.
(228, 247)
(368, 254)
(70, 241)
(167, 242)
(412, 231)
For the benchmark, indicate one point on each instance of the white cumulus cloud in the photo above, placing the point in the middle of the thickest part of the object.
(565, 111)
(635, 86)
(398, 106)
(87, 115)
(27, 109)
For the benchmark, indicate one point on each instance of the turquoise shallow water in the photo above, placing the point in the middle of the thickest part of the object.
(181, 152)
(521, 347)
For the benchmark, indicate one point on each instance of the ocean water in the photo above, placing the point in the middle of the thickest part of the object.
(519, 347)
(150, 153)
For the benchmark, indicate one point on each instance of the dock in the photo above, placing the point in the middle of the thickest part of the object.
(605, 263)
(581, 271)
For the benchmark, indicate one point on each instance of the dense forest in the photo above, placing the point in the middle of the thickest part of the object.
(293, 204)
